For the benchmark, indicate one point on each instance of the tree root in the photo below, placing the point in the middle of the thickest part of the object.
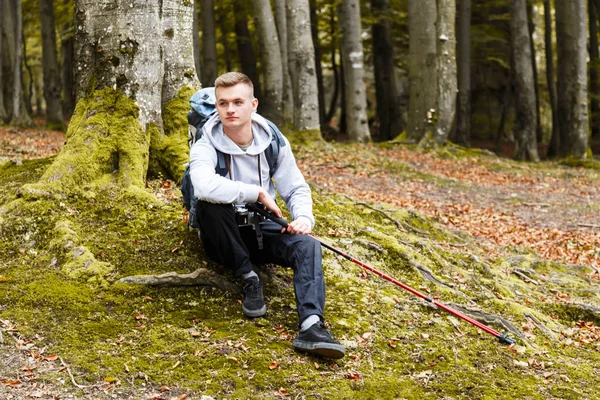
(487, 318)
(200, 277)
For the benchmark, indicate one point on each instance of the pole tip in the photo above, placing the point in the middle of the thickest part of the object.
(504, 339)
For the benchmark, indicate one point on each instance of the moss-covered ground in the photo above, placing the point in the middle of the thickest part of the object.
(128, 341)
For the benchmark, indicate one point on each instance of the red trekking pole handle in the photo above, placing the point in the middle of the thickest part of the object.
(502, 337)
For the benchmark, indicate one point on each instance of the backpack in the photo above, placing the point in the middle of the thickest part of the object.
(203, 107)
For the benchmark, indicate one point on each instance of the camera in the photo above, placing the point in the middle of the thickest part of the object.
(245, 217)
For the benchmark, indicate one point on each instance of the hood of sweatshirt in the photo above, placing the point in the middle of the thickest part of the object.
(213, 130)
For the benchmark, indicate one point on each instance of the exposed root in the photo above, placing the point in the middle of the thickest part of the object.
(200, 277)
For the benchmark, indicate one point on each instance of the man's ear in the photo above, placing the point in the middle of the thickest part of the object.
(254, 104)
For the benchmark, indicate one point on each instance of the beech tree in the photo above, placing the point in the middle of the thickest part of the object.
(526, 110)
(352, 59)
(432, 70)
(271, 103)
(301, 59)
(52, 81)
(209, 69)
(571, 38)
(3, 113)
(287, 98)
(463, 111)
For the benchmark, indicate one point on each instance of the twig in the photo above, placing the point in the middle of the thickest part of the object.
(71, 375)
(395, 221)
(588, 225)
(537, 204)
(525, 277)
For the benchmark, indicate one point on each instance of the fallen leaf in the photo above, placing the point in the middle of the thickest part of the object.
(3, 279)
(273, 365)
(164, 389)
(521, 364)
(109, 379)
(392, 344)
(353, 375)
(367, 335)
(139, 316)
(52, 357)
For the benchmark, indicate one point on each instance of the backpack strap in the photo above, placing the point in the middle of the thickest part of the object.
(221, 167)
(272, 152)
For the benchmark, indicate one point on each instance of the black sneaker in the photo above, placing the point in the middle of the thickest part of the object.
(254, 303)
(318, 340)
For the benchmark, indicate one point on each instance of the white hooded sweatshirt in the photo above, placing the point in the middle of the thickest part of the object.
(243, 184)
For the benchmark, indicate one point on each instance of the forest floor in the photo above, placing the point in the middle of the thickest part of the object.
(545, 209)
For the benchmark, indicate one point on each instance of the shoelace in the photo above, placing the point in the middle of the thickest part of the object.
(251, 287)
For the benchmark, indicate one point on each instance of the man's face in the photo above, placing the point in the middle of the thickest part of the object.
(235, 105)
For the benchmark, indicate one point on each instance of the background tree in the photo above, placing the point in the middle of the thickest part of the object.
(287, 98)
(209, 68)
(386, 85)
(463, 111)
(352, 59)
(271, 103)
(3, 113)
(554, 147)
(244, 44)
(20, 116)
(432, 69)
(196, 41)
(594, 89)
(314, 29)
(67, 54)
(571, 39)
(526, 118)
(301, 59)
(52, 81)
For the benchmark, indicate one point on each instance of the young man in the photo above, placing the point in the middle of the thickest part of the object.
(239, 132)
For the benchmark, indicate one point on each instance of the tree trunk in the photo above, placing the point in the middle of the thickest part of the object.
(210, 68)
(3, 113)
(20, 117)
(386, 85)
(531, 24)
(67, 54)
(571, 38)
(526, 112)
(334, 68)
(554, 147)
(463, 115)
(446, 66)
(224, 39)
(271, 102)
(7, 35)
(301, 59)
(352, 59)
(196, 39)
(245, 50)
(52, 81)
(288, 98)
(432, 70)
(314, 29)
(120, 63)
(594, 71)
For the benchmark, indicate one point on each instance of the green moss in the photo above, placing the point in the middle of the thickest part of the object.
(309, 137)
(170, 151)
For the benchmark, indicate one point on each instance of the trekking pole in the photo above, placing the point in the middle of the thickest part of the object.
(502, 337)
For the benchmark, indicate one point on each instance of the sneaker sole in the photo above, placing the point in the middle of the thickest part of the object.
(329, 350)
(254, 313)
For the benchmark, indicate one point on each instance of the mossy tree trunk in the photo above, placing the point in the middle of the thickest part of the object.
(133, 79)
(52, 82)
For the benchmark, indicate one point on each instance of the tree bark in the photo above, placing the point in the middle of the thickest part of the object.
(432, 70)
(67, 54)
(224, 37)
(353, 61)
(336, 78)
(314, 29)
(571, 38)
(446, 66)
(20, 117)
(52, 81)
(271, 103)
(463, 115)
(210, 68)
(594, 70)
(526, 111)
(288, 98)
(554, 147)
(245, 50)
(196, 39)
(301, 59)
(3, 113)
(7, 35)
(386, 85)
(201, 276)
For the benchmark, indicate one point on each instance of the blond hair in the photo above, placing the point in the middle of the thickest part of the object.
(230, 79)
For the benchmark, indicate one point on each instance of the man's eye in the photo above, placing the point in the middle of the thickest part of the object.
(222, 104)
(238, 103)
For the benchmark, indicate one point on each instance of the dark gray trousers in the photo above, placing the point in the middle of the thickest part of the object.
(237, 248)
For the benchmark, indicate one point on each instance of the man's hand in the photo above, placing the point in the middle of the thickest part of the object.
(296, 226)
(268, 202)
